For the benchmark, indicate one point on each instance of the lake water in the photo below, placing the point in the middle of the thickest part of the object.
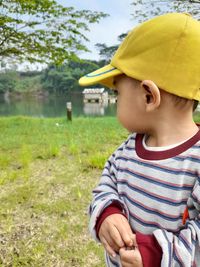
(53, 106)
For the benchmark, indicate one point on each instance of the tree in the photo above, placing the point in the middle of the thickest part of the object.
(64, 78)
(146, 9)
(106, 52)
(8, 82)
(43, 31)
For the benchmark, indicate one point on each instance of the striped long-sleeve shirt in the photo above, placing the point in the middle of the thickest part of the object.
(154, 188)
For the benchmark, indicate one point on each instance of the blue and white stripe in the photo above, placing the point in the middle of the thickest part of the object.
(154, 195)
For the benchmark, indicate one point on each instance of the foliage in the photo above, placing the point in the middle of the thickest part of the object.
(28, 84)
(65, 78)
(12, 81)
(106, 52)
(43, 31)
(8, 81)
(53, 79)
(146, 9)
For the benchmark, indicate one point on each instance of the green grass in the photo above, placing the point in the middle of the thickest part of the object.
(48, 168)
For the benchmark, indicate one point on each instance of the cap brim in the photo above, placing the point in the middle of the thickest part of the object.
(103, 76)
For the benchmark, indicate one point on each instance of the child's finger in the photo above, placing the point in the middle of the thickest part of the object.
(109, 237)
(126, 233)
(116, 237)
(126, 257)
(130, 257)
(108, 248)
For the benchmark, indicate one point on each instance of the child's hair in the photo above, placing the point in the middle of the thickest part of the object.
(181, 102)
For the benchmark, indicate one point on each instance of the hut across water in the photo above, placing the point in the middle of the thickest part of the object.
(98, 95)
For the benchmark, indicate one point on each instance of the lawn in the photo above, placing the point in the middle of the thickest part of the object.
(48, 168)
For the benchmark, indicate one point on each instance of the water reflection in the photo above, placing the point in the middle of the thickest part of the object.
(95, 108)
(53, 106)
(6, 97)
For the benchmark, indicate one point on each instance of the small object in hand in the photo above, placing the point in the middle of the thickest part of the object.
(130, 248)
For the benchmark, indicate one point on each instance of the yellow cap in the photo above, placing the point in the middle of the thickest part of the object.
(165, 49)
(103, 75)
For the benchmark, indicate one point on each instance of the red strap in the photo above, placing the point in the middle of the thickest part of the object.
(185, 215)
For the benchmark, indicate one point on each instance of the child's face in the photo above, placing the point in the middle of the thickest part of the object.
(130, 107)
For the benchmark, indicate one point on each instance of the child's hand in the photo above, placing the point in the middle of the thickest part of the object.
(115, 233)
(130, 257)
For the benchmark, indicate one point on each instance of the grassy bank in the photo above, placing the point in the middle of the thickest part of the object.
(48, 168)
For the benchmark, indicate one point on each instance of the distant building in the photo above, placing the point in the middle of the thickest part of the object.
(95, 95)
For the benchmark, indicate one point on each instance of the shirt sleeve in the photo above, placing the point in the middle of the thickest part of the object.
(149, 248)
(106, 193)
(182, 249)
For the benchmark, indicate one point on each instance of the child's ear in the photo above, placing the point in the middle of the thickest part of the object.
(151, 95)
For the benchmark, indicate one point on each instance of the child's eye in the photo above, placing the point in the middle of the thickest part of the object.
(115, 92)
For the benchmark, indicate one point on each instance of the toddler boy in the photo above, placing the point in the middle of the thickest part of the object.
(145, 209)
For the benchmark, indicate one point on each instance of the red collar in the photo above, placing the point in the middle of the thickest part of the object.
(164, 154)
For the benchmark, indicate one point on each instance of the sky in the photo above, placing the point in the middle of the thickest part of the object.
(109, 28)
(106, 31)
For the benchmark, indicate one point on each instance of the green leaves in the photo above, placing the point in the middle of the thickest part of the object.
(65, 78)
(106, 52)
(43, 31)
(143, 9)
